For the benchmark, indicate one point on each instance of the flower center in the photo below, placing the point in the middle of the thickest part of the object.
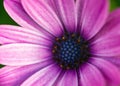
(70, 51)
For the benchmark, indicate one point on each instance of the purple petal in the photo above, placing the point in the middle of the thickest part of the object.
(91, 76)
(42, 13)
(52, 4)
(107, 47)
(15, 76)
(112, 26)
(114, 60)
(15, 0)
(66, 12)
(111, 84)
(13, 34)
(23, 54)
(44, 77)
(4, 40)
(16, 11)
(107, 41)
(114, 14)
(68, 79)
(110, 71)
(91, 16)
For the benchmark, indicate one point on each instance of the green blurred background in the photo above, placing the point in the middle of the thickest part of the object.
(5, 19)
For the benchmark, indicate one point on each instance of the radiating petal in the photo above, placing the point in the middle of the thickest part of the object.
(44, 77)
(114, 60)
(23, 54)
(19, 34)
(42, 13)
(16, 11)
(92, 15)
(112, 84)
(114, 14)
(19, 15)
(66, 12)
(108, 47)
(68, 79)
(15, 76)
(4, 40)
(109, 70)
(91, 76)
(52, 4)
(107, 41)
(110, 28)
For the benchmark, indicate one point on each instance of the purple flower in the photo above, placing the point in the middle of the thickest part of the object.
(60, 43)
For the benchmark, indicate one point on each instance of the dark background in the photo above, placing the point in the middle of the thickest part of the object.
(5, 19)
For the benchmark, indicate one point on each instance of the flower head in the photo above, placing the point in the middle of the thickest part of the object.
(60, 43)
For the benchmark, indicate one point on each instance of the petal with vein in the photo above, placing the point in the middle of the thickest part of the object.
(42, 13)
(44, 77)
(92, 15)
(12, 34)
(23, 54)
(16, 75)
(109, 70)
(68, 79)
(91, 76)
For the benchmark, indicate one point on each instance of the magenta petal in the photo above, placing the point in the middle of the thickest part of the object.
(91, 76)
(52, 4)
(4, 40)
(42, 13)
(111, 84)
(115, 60)
(23, 54)
(91, 16)
(13, 34)
(68, 79)
(110, 71)
(16, 11)
(112, 27)
(15, 76)
(114, 14)
(107, 41)
(44, 77)
(66, 12)
(107, 47)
